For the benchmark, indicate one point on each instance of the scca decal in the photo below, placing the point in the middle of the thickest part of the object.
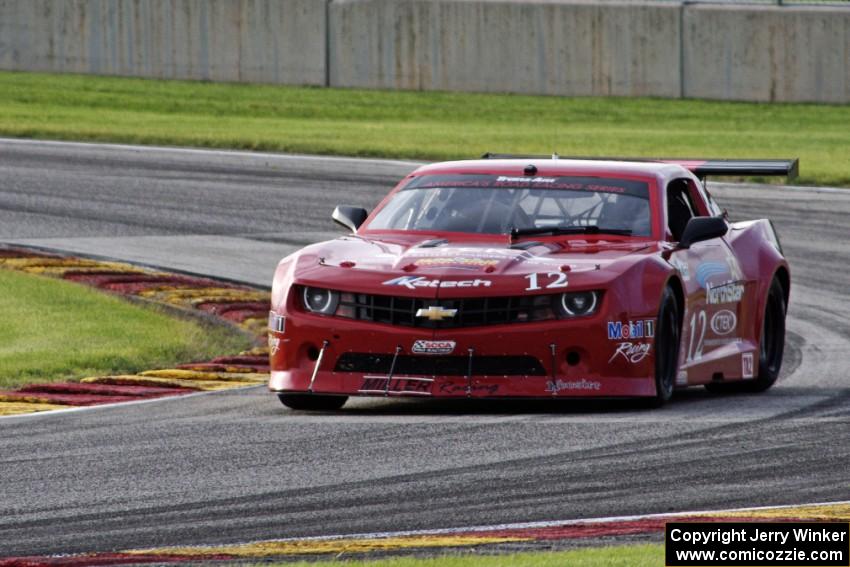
(412, 282)
(433, 347)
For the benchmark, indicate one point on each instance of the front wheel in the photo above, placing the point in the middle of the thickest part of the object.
(312, 402)
(667, 339)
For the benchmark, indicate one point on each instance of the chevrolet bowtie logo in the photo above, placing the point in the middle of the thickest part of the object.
(436, 313)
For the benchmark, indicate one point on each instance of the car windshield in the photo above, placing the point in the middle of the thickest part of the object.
(497, 204)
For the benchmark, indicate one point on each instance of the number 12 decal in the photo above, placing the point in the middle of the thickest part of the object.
(698, 324)
(556, 280)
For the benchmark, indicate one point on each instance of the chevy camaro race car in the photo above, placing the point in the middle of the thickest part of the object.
(535, 278)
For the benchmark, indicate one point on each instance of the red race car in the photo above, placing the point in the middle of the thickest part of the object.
(535, 277)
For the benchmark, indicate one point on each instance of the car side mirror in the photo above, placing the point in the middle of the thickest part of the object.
(349, 217)
(699, 229)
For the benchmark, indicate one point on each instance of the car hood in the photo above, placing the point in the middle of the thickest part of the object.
(417, 262)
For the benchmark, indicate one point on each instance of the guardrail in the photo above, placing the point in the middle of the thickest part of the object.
(762, 50)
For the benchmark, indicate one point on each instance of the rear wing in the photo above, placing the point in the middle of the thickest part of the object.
(702, 168)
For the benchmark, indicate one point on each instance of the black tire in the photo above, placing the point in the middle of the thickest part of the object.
(668, 335)
(312, 402)
(771, 346)
(772, 341)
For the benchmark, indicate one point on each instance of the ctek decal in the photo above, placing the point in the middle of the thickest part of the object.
(747, 370)
(413, 282)
(723, 322)
(631, 329)
(731, 292)
(632, 352)
(555, 386)
(433, 347)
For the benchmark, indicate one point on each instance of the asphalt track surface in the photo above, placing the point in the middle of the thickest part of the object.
(237, 466)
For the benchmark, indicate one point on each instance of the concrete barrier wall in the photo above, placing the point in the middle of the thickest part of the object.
(278, 41)
(767, 53)
(566, 48)
(556, 47)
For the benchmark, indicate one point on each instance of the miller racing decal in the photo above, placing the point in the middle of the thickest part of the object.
(407, 385)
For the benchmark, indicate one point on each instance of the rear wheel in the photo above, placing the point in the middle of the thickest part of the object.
(771, 346)
(667, 337)
(312, 402)
(772, 342)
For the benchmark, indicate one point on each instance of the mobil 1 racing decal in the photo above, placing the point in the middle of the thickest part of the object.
(641, 329)
(627, 332)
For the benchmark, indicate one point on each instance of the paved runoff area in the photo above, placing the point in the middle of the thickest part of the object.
(235, 466)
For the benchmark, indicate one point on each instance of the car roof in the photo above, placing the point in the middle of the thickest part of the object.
(564, 167)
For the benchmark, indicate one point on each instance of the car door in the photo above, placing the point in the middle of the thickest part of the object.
(714, 288)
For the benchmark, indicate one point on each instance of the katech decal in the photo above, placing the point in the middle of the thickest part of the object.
(631, 329)
(731, 292)
(747, 369)
(555, 386)
(412, 282)
(723, 322)
(378, 384)
(632, 352)
(433, 347)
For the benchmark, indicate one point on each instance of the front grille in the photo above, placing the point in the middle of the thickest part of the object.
(440, 365)
(471, 312)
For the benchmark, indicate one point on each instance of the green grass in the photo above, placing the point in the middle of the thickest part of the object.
(419, 125)
(54, 330)
(651, 555)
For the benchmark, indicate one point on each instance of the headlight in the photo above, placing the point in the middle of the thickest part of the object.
(578, 304)
(318, 300)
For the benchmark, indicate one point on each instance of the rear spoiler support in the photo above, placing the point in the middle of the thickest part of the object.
(702, 168)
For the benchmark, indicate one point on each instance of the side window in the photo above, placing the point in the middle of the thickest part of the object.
(680, 207)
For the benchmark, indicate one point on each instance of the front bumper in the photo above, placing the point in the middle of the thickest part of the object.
(529, 360)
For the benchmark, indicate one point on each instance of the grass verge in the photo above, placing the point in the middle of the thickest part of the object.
(422, 125)
(649, 555)
(54, 330)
